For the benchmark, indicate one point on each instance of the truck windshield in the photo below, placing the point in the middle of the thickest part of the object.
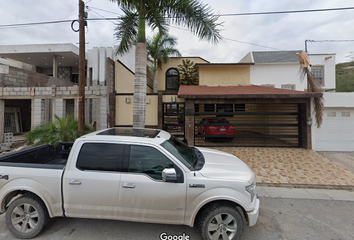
(181, 151)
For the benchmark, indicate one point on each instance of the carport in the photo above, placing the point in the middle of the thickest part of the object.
(260, 116)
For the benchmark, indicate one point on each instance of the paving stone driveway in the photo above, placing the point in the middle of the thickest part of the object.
(292, 166)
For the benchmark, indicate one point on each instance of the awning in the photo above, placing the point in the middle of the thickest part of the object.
(251, 91)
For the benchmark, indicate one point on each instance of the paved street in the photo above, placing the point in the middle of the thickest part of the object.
(285, 214)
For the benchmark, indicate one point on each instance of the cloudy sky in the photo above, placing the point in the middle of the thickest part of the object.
(242, 33)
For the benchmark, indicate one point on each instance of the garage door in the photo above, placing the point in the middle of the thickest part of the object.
(261, 125)
(337, 131)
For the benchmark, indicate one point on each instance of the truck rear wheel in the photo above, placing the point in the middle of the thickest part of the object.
(220, 221)
(26, 217)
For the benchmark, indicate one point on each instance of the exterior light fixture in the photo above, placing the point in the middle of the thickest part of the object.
(173, 98)
(309, 121)
(127, 100)
(147, 100)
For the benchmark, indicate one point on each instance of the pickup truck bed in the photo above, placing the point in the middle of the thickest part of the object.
(43, 156)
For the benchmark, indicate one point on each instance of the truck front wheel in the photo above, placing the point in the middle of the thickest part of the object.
(220, 221)
(26, 216)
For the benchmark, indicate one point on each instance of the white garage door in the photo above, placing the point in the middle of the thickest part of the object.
(337, 130)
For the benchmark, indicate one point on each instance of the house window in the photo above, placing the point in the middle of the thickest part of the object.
(172, 79)
(171, 107)
(318, 73)
(331, 114)
(288, 86)
(345, 114)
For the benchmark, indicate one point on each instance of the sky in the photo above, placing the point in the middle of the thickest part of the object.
(242, 34)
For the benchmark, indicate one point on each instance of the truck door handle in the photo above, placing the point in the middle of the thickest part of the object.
(129, 185)
(75, 182)
(6, 177)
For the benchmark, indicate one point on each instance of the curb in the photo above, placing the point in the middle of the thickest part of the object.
(307, 186)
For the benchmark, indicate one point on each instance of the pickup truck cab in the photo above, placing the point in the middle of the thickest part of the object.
(142, 175)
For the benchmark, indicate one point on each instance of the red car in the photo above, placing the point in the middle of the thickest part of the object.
(219, 129)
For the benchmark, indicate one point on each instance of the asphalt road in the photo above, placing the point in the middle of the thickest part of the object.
(279, 219)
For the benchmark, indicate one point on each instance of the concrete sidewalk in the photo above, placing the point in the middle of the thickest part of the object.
(305, 193)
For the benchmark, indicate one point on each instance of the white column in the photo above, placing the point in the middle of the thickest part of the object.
(103, 113)
(59, 107)
(2, 120)
(95, 66)
(38, 112)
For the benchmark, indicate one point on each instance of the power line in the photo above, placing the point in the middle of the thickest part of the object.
(34, 23)
(330, 40)
(285, 12)
(222, 15)
(254, 44)
(234, 40)
(321, 41)
(104, 10)
(90, 9)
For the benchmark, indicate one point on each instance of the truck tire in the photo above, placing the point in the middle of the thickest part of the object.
(220, 221)
(26, 216)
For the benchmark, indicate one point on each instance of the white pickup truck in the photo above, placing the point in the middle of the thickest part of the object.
(113, 174)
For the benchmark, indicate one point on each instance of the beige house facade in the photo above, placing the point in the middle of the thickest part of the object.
(260, 115)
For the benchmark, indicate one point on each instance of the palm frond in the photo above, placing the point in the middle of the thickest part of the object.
(195, 15)
(313, 85)
(126, 31)
(60, 130)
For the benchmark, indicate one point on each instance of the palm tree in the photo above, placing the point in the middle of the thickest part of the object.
(160, 47)
(60, 130)
(158, 14)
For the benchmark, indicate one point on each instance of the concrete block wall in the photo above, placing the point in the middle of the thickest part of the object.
(15, 78)
(38, 112)
(59, 107)
(41, 95)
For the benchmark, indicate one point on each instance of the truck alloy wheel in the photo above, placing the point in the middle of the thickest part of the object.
(221, 222)
(26, 217)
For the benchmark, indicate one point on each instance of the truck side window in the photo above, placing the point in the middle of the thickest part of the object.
(148, 160)
(100, 157)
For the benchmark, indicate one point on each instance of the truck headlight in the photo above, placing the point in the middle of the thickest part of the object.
(251, 189)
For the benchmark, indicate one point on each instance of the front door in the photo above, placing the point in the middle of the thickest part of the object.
(143, 195)
(91, 187)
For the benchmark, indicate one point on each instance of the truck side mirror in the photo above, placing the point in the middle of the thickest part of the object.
(169, 175)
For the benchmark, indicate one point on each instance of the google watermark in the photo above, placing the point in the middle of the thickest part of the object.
(166, 236)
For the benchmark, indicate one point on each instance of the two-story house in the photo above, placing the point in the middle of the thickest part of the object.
(260, 115)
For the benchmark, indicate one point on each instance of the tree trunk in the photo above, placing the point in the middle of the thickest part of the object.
(139, 100)
(155, 81)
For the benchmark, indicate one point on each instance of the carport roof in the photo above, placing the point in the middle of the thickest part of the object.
(250, 91)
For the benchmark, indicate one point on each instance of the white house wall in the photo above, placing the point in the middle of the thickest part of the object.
(329, 63)
(277, 75)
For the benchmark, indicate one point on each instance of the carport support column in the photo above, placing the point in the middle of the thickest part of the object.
(189, 122)
(2, 119)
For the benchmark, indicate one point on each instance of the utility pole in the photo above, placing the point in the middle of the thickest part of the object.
(82, 63)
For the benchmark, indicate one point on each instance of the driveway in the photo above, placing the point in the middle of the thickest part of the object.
(294, 167)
